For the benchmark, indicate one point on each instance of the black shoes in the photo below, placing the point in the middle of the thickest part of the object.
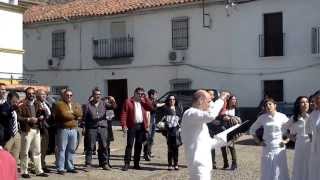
(46, 170)
(26, 176)
(125, 167)
(42, 175)
(225, 166)
(137, 167)
(72, 171)
(234, 166)
(60, 172)
(146, 157)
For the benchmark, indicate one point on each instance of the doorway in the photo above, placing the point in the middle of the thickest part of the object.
(273, 34)
(119, 90)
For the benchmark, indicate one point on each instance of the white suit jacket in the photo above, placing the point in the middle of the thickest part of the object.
(197, 141)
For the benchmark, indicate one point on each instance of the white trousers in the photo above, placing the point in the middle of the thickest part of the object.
(31, 141)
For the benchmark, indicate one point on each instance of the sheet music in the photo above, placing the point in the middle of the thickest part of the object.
(220, 140)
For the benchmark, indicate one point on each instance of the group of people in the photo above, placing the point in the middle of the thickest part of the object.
(139, 119)
(24, 125)
(273, 130)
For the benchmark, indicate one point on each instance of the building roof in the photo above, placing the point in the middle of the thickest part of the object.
(86, 8)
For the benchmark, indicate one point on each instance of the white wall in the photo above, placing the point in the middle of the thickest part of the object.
(11, 30)
(10, 38)
(15, 2)
(231, 46)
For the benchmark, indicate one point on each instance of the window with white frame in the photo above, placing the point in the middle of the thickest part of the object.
(58, 44)
(180, 33)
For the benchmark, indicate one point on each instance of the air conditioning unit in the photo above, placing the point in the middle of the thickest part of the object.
(315, 41)
(177, 56)
(54, 63)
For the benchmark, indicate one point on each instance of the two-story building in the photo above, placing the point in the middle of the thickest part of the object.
(249, 47)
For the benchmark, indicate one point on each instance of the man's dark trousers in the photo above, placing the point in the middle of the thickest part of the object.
(134, 135)
(93, 135)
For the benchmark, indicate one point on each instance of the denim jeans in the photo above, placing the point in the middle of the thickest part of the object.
(153, 128)
(148, 146)
(66, 142)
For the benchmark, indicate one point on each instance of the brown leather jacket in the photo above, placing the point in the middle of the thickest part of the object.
(24, 112)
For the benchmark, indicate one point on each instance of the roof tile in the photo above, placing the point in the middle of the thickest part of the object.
(83, 8)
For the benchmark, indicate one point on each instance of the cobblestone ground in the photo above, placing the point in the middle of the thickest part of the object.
(248, 162)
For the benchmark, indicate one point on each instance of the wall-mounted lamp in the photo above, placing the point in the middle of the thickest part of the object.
(230, 5)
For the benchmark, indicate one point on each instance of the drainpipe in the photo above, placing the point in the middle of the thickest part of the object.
(80, 38)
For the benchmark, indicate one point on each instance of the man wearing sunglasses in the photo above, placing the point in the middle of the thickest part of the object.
(134, 123)
(29, 115)
(67, 114)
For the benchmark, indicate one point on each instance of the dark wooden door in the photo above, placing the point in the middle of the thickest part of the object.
(273, 34)
(274, 89)
(119, 90)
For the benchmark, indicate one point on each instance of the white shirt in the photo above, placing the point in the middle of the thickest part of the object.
(2, 101)
(273, 128)
(211, 105)
(299, 127)
(172, 120)
(47, 109)
(231, 112)
(138, 113)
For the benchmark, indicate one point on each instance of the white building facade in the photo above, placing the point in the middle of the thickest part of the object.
(11, 45)
(259, 47)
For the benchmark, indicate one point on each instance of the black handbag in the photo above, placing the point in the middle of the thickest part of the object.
(179, 139)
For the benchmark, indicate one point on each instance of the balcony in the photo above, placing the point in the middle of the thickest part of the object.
(271, 45)
(104, 49)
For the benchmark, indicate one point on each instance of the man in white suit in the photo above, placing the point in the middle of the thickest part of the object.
(195, 135)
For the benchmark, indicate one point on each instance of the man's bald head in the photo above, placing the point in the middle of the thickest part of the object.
(201, 99)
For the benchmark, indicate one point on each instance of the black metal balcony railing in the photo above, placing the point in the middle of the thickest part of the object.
(113, 48)
(271, 45)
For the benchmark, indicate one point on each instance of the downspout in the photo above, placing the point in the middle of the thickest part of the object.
(80, 48)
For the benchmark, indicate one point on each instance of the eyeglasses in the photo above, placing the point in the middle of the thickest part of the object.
(69, 95)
